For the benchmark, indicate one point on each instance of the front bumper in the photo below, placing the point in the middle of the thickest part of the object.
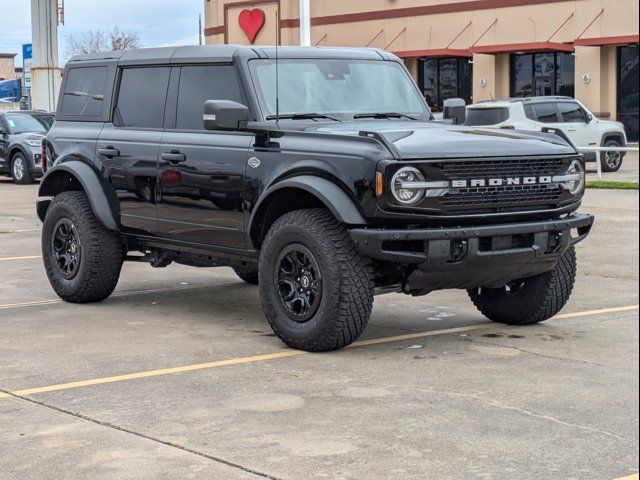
(470, 257)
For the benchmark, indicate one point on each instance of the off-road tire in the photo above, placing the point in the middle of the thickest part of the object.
(101, 251)
(347, 282)
(603, 157)
(538, 299)
(247, 275)
(26, 178)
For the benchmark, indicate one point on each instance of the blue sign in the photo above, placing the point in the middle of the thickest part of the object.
(27, 51)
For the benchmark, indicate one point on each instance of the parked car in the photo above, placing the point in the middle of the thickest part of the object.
(564, 113)
(323, 191)
(21, 134)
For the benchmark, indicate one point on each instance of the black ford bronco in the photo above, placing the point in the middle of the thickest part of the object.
(316, 173)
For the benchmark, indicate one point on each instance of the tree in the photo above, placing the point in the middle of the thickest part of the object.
(101, 41)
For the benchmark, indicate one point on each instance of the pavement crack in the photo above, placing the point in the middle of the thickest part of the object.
(553, 357)
(497, 404)
(141, 435)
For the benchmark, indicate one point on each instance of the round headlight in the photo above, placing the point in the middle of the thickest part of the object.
(402, 191)
(576, 169)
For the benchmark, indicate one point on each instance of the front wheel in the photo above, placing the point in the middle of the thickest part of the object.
(82, 258)
(20, 170)
(611, 161)
(530, 300)
(316, 289)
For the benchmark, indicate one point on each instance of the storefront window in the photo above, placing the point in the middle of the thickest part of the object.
(542, 74)
(628, 90)
(443, 78)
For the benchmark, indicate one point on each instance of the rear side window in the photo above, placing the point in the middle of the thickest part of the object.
(546, 112)
(84, 91)
(528, 112)
(572, 112)
(142, 96)
(486, 116)
(199, 84)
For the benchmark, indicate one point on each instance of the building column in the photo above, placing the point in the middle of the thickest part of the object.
(412, 66)
(484, 77)
(588, 77)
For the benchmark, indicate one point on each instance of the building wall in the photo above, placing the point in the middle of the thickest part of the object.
(7, 68)
(420, 28)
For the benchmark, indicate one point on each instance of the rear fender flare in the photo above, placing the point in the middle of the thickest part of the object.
(104, 209)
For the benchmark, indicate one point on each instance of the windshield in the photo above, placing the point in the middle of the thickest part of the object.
(477, 117)
(25, 123)
(337, 88)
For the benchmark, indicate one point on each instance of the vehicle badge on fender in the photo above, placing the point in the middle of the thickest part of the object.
(254, 162)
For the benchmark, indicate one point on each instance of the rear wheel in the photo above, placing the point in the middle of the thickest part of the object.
(82, 258)
(20, 170)
(611, 161)
(530, 300)
(316, 289)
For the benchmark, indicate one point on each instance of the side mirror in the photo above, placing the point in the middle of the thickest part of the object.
(589, 118)
(455, 109)
(225, 115)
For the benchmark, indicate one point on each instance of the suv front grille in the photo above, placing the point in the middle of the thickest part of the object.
(488, 197)
(521, 167)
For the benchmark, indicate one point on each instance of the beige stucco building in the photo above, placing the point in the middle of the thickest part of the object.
(472, 49)
(7, 67)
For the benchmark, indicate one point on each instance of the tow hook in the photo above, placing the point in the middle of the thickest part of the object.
(459, 250)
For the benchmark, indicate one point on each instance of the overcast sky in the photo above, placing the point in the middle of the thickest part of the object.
(157, 22)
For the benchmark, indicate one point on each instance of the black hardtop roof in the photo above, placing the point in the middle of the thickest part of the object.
(227, 53)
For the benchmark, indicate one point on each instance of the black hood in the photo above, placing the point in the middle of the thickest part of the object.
(424, 140)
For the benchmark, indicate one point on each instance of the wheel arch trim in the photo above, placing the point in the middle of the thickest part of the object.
(332, 196)
(91, 184)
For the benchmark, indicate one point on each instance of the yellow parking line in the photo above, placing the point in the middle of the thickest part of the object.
(274, 356)
(635, 476)
(8, 259)
(55, 301)
(589, 313)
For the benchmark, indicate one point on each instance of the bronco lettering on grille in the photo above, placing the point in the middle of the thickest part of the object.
(500, 182)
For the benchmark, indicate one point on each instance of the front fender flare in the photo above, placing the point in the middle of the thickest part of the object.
(91, 184)
(333, 197)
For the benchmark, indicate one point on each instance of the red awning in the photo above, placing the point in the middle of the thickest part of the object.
(523, 47)
(601, 41)
(434, 52)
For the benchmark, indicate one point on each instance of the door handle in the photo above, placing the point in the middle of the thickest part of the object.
(109, 152)
(174, 157)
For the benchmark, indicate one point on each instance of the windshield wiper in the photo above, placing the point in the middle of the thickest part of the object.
(303, 116)
(380, 115)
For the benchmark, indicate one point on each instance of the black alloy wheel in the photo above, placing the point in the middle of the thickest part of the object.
(66, 248)
(299, 281)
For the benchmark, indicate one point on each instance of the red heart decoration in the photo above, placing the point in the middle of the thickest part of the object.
(251, 22)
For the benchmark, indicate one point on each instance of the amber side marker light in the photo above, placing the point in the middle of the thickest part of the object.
(379, 184)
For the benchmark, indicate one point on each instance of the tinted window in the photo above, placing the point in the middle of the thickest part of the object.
(24, 123)
(546, 112)
(572, 112)
(84, 91)
(486, 116)
(444, 78)
(142, 96)
(628, 89)
(528, 112)
(199, 84)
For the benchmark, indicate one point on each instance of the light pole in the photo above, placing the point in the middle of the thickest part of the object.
(45, 74)
(305, 23)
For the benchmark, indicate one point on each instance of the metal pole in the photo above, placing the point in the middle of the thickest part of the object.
(305, 23)
(200, 29)
(45, 74)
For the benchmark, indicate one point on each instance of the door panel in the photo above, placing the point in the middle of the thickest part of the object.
(202, 184)
(130, 158)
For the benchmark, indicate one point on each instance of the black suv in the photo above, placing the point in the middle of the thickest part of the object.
(317, 173)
